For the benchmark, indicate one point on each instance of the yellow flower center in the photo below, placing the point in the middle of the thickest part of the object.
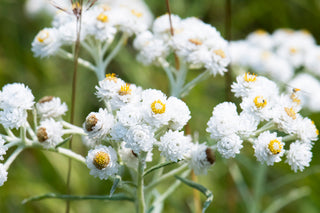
(137, 14)
(317, 131)
(43, 35)
(305, 31)
(295, 99)
(293, 50)
(260, 32)
(290, 112)
(275, 146)
(158, 107)
(125, 90)
(250, 77)
(195, 41)
(105, 7)
(103, 18)
(220, 53)
(260, 102)
(101, 160)
(111, 77)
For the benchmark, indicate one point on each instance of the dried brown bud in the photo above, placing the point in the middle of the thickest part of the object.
(42, 134)
(91, 122)
(45, 99)
(210, 156)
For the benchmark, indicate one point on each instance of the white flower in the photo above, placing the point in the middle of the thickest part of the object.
(179, 113)
(13, 118)
(306, 130)
(150, 48)
(102, 162)
(3, 174)
(299, 156)
(109, 87)
(130, 158)
(16, 95)
(3, 148)
(161, 26)
(224, 121)
(50, 133)
(118, 132)
(229, 146)
(261, 39)
(130, 115)
(98, 124)
(202, 157)
(139, 138)
(46, 43)
(174, 145)
(51, 107)
(268, 148)
(154, 104)
(248, 124)
(127, 93)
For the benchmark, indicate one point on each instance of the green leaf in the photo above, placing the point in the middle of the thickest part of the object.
(115, 185)
(78, 197)
(201, 188)
(64, 141)
(158, 167)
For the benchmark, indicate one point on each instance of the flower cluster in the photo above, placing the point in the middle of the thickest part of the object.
(100, 23)
(134, 122)
(269, 120)
(281, 56)
(198, 44)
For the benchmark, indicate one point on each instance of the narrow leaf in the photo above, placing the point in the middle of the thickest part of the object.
(78, 197)
(158, 167)
(115, 185)
(64, 141)
(201, 188)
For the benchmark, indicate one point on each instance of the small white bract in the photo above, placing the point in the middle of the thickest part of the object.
(299, 156)
(16, 95)
(174, 145)
(140, 138)
(13, 118)
(3, 174)
(102, 162)
(178, 112)
(51, 107)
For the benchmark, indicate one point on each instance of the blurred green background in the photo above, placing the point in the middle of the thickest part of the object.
(36, 172)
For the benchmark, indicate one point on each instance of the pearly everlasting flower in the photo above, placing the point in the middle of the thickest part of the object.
(201, 158)
(130, 115)
(151, 49)
(299, 156)
(98, 124)
(174, 146)
(3, 174)
(127, 93)
(118, 132)
(179, 113)
(268, 148)
(161, 26)
(306, 130)
(46, 43)
(109, 87)
(229, 146)
(3, 148)
(50, 133)
(16, 95)
(139, 138)
(260, 38)
(102, 162)
(248, 124)
(224, 121)
(51, 107)
(13, 118)
(154, 104)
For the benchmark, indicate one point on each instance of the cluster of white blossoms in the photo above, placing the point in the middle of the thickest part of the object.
(270, 121)
(196, 43)
(100, 23)
(282, 56)
(134, 123)
(16, 103)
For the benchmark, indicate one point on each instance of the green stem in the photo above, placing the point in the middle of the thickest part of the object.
(165, 177)
(140, 202)
(13, 156)
(64, 54)
(186, 89)
(289, 138)
(180, 79)
(268, 126)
